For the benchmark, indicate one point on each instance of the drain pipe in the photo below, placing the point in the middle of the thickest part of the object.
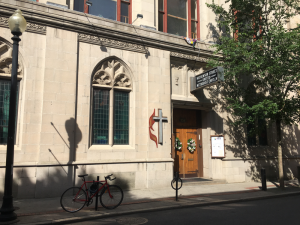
(73, 151)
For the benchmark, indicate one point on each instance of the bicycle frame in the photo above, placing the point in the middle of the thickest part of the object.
(87, 190)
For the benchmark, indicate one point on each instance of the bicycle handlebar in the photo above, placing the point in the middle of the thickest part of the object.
(108, 177)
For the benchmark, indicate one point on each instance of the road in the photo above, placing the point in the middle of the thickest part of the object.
(272, 211)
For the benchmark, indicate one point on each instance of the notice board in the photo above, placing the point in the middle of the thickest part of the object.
(217, 146)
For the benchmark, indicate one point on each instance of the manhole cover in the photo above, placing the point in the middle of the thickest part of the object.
(132, 220)
(199, 199)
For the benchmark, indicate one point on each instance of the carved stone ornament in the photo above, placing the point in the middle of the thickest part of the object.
(6, 60)
(112, 72)
(189, 57)
(111, 43)
(102, 77)
(195, 70)
(177, 67)
(31, 27)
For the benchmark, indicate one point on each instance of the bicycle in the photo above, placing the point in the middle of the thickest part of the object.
(75, 198)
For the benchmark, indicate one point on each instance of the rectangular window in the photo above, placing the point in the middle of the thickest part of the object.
(194, 19)
(104, 8)
(79, 5)
(124, 12)
(179, 17)
(121, 118)
(4, 108)
(100, 117)
(194, 29)
(161, 15)
(251, 137)
(261, 136)
(262, 129)
(248, 24)
(119, 10)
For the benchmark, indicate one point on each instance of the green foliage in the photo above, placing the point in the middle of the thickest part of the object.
(260, 58)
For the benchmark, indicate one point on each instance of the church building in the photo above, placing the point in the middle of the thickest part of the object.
(108, 87)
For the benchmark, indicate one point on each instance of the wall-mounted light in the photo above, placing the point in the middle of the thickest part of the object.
(138, 16)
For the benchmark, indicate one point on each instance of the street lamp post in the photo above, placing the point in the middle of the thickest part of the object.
(17, 25)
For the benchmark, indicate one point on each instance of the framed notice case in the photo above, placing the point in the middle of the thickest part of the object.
(217, 143)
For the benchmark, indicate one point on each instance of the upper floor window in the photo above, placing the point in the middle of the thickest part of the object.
(119, 10)
(248, 25)
(179, 17)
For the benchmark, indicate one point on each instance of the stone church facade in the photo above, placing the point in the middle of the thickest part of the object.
(99, 95)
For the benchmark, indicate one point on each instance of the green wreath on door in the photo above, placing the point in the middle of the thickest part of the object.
(191, 145)
(178, 144)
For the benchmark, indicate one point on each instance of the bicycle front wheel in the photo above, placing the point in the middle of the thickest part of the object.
(73, 199)
(111, 197)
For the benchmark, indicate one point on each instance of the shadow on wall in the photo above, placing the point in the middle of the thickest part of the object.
(125, 180)
(237, 146)
(25, 187)
(52, 181)
(48, 181)
(215, 32)
(258, 156)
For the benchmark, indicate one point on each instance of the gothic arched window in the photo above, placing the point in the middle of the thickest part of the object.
(110, 111)
(5, 82)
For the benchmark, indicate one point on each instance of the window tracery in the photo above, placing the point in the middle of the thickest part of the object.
(111, 90)
(6, 60)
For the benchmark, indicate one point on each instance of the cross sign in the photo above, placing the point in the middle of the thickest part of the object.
(160, 119)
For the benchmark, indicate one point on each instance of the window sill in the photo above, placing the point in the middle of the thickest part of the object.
(120, 161)
(4, 148)
(110, 148)
(258, 146)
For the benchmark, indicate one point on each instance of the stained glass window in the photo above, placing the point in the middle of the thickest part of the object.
(121, 117)
(100, 116)
(4, 108)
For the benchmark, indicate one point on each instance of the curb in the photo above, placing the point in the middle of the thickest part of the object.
(188, 205)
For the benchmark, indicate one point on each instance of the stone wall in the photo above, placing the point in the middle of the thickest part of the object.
(53, 134)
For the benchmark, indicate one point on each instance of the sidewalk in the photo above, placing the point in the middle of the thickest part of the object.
(48, 211)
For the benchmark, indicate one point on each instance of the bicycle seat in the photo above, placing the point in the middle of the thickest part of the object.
(83, 175)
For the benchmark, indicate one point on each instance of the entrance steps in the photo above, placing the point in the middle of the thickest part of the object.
(201, 181)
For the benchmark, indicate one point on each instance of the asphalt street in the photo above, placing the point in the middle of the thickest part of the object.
(272, 211)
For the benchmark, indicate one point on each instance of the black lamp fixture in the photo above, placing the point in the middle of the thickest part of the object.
(88, 3)
(138, 16)
(17, 24)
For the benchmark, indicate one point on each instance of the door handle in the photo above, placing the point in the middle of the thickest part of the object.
(182, 157)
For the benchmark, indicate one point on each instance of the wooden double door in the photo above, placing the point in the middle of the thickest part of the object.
(187, 125)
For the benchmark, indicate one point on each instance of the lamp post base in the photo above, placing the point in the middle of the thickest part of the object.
(9, 216)
(7, 210)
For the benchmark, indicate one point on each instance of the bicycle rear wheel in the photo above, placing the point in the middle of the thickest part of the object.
(111, 197)
(73, 199)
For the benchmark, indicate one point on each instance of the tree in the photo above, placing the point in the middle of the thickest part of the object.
(259, 48)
